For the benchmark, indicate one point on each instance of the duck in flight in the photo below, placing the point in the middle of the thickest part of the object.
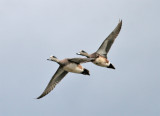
(101, 54)
(66, 65)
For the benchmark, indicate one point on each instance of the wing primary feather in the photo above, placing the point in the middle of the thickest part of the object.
(107, 43)
(81, 60)
(56, 78)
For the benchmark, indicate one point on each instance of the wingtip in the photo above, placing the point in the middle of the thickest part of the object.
(37, 98)
(119, 24)
(40, 97)
(120, 21)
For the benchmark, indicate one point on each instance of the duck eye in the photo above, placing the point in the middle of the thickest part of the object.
(54, 57)
(83, 51)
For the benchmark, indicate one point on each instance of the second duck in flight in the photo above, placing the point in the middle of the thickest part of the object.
(101, 54)
(66, 65)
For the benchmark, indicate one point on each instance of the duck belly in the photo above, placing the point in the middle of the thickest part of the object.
(73, 68)
(101, 61)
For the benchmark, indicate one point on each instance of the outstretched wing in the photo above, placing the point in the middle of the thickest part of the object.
(81, 60)
(107, 43)
(56, 78)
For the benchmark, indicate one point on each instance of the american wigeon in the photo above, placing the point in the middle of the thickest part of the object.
(66, 65)
(101, 54)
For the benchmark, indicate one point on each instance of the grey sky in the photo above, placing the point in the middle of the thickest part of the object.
(32, 30)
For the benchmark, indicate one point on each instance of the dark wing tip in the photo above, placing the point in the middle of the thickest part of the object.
(39, 97)
(47, 90)
(42, 95)
(56, 78)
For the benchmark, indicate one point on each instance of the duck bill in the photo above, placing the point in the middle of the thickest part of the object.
(49, 59)
(78, 53)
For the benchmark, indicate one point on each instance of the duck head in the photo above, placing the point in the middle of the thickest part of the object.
(83, 53)
(53, 58)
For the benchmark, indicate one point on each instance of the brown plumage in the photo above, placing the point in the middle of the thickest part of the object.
(101, 54)
(66, 65)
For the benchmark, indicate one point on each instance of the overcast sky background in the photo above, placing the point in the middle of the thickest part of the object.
(32, 30)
